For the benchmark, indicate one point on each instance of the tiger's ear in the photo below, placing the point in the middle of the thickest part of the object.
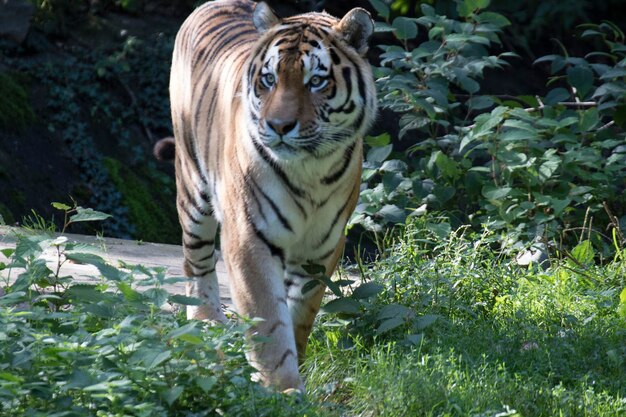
(264, 17)
(356, 27)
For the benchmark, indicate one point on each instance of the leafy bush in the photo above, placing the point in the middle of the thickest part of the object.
(532, 169)
(105, 347)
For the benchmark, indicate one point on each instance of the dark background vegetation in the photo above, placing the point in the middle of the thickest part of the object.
(84, 97)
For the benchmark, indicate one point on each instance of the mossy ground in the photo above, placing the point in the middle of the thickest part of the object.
(15, 110)
(150, 198)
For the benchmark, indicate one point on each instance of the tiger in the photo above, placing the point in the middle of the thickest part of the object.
(268, 116)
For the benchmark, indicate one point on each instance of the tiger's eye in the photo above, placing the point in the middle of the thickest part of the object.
(317, 82)
(268, 79)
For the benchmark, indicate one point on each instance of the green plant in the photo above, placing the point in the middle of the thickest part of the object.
(546, 169)
(441, 326)
(105, 347)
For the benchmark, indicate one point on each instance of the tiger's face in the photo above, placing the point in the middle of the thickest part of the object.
(307, 89)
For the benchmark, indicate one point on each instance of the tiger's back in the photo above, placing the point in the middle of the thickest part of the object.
(268, 116)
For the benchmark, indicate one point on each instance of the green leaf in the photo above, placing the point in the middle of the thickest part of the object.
(184, 300)
(495, 193)
(7, 252)
(580, 78)
(406, 27)
(128, 292)
(426, 321)
(88, 215)
(380, 140)
(310, 285)
(314, 269)
(584, 253)
(392, 214)
(590, 118)
(85, 292)
(367, 290)
(342, 305)
(495, 19)
(153, 358)
(479, 102)
(29, 247)
(61, 206)
(189, 328)
(393, 310)
(206, 383)
(390, 324)
(548, 168)
(556, 95)
(381, 8)
(171, 395)
(379, 154)
(394, 165)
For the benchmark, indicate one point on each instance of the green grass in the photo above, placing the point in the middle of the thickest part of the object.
(506, 341)
(444, 328)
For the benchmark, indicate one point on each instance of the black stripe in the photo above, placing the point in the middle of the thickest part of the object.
(332, 225)
(283, 358)
(347, 158)
(278, 170)
(273, 205)
(274, 250)
(276, 326)
(198, 244)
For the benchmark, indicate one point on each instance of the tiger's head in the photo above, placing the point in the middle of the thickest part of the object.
(308, 88)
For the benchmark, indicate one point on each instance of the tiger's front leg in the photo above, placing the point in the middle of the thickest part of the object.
(304, 306)
(256, 275)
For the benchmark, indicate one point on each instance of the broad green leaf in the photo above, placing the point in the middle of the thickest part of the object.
(342, 305)
(12, 298)
(580, 78)
(426, 321)
(88, 215)
(153, 358)
(61, 206)
(548, 168)
(590, 118)
(558, 205)
(495, 193)
(394, 165)
(184, 300)
(379, 154)
(393, 310)
(479, 102)
(381, 8)
(392, 214)
(7, 252)
(314, 269)
(367, 290)
(390, 324)
(380, 140)
(128, 292)
(189, 328)
(310, 285)
(495, 19)
(158, 296)
(556, 95)
(171, 395)
(405, 27)
(206, 383)
(29, 247)
(584, 253)
(85, 292)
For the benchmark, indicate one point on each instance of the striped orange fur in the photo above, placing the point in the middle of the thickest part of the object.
(268, 117)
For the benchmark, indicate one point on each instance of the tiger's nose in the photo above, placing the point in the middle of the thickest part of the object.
(281, 127)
